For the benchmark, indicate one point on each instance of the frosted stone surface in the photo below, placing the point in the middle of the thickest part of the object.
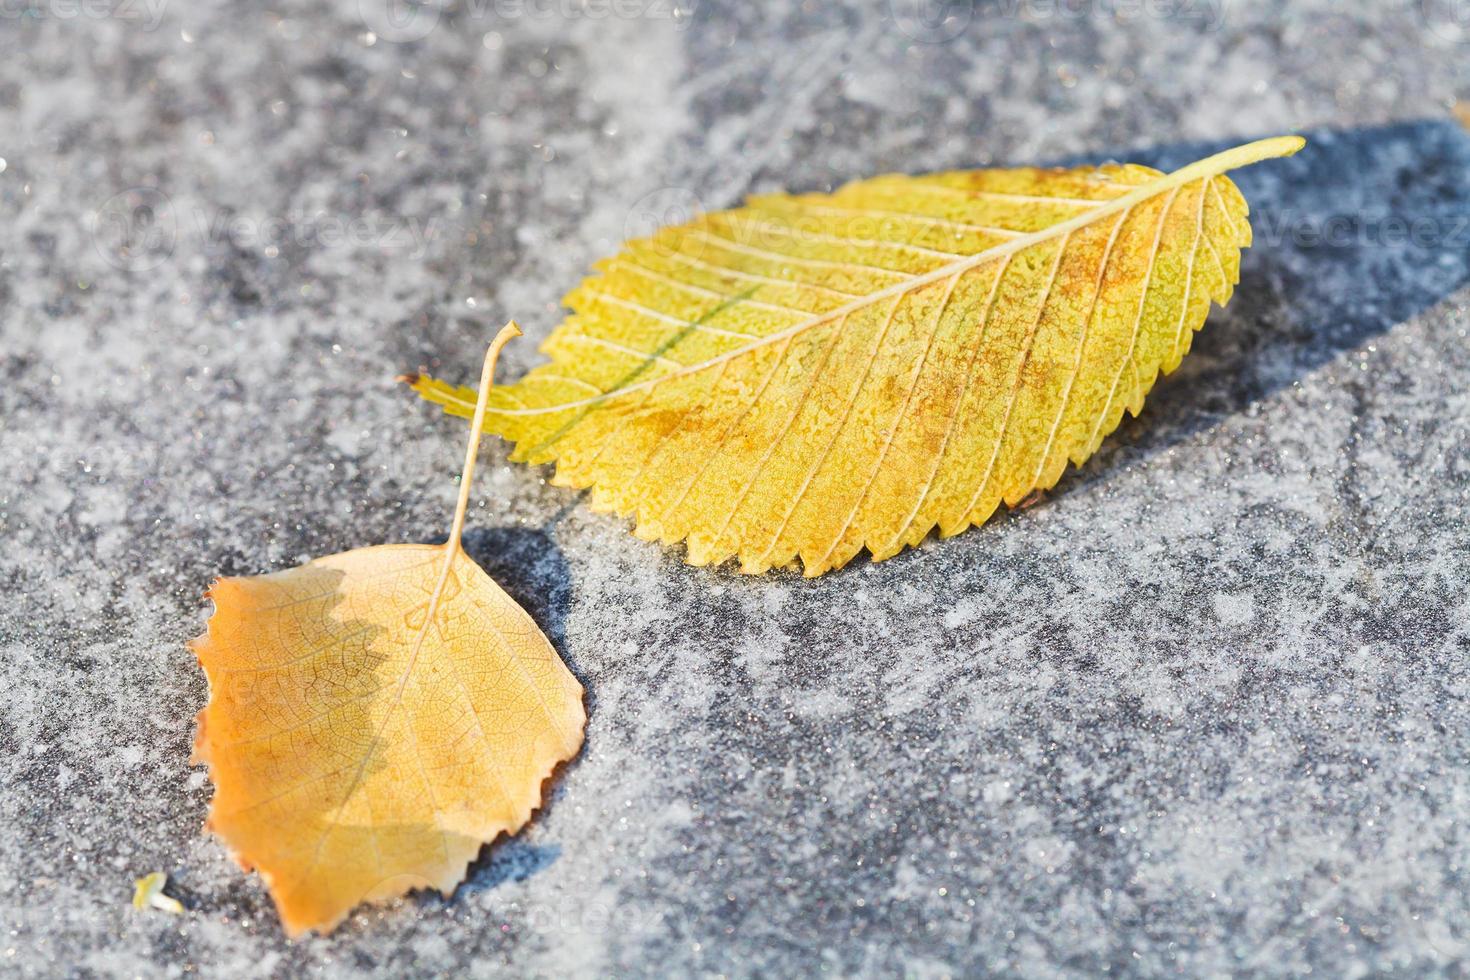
(1201, 711)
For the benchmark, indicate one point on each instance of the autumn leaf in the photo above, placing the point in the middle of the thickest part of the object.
(375, 717)
(811, 375)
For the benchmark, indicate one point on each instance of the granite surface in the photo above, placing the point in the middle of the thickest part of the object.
(1203, 711)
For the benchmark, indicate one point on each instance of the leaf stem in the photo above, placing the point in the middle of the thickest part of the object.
(472, 450)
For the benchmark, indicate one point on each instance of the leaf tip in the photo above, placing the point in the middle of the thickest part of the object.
(1274, 146)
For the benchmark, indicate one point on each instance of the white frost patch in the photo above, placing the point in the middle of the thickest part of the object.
(1234, 609)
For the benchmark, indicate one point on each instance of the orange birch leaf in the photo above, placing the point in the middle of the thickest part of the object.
(376, 716)
(811, 375)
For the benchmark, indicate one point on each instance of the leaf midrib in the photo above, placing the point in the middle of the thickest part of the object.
(1209, 167)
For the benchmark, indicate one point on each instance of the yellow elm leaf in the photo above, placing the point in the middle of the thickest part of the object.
(375, 717)
(811, 375)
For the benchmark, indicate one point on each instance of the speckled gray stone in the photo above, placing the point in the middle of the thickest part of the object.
(1203, 711)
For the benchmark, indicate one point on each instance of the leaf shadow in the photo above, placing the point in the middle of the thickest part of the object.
(1360, 232)
(528, 564)
(533, 571)
(506, 859)
(511, 860)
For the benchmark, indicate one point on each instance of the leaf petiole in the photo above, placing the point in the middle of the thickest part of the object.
(472, 450)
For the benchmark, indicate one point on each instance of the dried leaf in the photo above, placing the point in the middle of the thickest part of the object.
(377, 716)
(811, 375)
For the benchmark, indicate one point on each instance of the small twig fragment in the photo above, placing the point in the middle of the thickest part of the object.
(148, 894)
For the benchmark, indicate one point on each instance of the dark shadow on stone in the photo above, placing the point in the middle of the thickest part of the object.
(529, 566)
(508, 861)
